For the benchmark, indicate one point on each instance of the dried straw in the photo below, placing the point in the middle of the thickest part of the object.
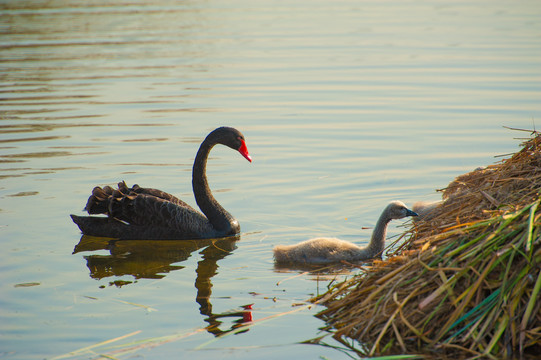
(468, 278)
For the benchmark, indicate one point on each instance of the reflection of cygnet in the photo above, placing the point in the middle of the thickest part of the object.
(329, 250)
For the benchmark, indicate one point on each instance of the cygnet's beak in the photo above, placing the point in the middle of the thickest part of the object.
(411, 213)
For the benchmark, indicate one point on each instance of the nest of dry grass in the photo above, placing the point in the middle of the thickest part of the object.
(468, 277)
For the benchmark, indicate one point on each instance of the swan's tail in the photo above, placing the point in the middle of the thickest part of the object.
(100, 226)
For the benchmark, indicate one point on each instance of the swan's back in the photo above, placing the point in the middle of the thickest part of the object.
(317, 251)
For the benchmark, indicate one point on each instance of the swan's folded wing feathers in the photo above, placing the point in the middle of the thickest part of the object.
(98, 202)
(148, 210)
(148, 207)
(154, 192)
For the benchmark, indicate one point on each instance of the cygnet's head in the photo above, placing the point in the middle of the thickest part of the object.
(398, 210)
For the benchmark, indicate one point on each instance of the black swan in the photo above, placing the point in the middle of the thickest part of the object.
(145, 213)
(332, 250)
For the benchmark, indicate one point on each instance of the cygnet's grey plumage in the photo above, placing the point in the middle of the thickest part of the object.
(332, 250)
(425, 209)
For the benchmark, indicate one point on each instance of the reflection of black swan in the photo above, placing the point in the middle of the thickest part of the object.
(153, 259)
(329, 250)
(145, 213)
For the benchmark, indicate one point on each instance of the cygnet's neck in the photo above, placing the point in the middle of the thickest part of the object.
(377, 242)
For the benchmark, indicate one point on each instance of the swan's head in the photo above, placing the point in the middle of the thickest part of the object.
(232, 138)
(398, 210)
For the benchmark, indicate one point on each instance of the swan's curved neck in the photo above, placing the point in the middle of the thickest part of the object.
(377, 242)
(220, 219)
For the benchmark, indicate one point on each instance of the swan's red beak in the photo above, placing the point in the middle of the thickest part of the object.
(244, 151)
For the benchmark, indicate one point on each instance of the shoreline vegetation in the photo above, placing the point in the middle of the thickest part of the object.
(467, 278)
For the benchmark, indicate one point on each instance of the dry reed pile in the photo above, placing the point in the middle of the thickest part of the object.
(468, 277)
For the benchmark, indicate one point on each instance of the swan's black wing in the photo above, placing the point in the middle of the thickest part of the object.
(136, 189)
(142, 213)
(100, 200)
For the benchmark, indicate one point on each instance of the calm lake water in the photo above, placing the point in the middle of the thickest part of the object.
(345, 106)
